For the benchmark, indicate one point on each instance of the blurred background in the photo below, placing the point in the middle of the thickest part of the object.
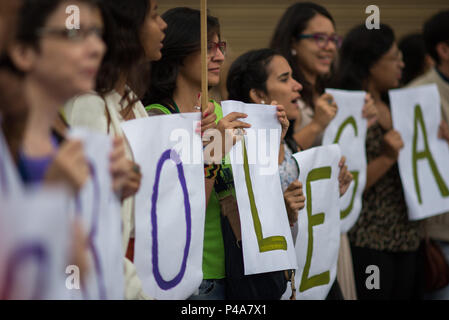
(249, 24)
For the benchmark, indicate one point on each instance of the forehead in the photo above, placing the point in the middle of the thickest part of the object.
(320, 24)
(278, 66)
(214, 37)
(391, 53)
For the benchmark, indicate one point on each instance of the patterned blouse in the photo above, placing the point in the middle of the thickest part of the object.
(383, 223)
(288, 170)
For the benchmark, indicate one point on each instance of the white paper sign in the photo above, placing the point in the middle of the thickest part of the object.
(170, 205)
(348, 129)
(318, 239)
(424, 160)
(266, 236)
(10, 182)
(100, 211)
(35, 237)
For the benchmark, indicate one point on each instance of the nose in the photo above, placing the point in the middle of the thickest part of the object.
(219, 56)
(331, 46)
(297, 87)
(162, 24)
(96, 46)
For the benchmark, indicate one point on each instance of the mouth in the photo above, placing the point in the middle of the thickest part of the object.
(296, 100)
(91, 72)
(325, 60)
(215, 70)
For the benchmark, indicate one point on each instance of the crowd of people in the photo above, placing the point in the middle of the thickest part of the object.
(127, 62)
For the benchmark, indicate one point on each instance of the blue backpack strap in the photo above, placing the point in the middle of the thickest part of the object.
(218, 109)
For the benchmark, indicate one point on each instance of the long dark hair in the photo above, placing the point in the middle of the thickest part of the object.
(182, 38)
(290, 26)
(361, 49)
(32, 15)
(413, 48)
(250, 71)
(123, 21)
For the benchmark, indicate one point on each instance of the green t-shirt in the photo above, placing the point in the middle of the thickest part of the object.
(213, 250)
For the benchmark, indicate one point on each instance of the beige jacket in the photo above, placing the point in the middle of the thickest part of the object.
(437, 227)
(90, 111)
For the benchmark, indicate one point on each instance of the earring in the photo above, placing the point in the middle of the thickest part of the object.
(294, 53)
(262, 102)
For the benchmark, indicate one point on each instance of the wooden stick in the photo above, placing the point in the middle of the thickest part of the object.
(204, 69)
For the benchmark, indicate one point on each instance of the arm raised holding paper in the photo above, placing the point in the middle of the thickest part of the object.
(325, 110)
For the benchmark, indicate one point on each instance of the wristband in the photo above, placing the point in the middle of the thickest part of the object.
(211, 170)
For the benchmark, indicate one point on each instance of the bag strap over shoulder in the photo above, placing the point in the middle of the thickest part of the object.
(159, 107)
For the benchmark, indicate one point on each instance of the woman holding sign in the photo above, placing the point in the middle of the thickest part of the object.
(264, 75)
(48, 65)
(383, 240)
(175, 84)
(175, 88)
(306, 37)
(133, 34)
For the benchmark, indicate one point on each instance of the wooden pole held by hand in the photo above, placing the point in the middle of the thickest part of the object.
(204, 67)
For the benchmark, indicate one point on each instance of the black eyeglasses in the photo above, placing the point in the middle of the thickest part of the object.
(76, 35)
(322, 39)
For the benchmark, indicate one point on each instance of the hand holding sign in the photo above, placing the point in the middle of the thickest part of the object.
(344, 177)
(325, 110)
(69, 166)
(443, 132)
(227, 126)
(294, 201)
(393, 144)
(369, 111)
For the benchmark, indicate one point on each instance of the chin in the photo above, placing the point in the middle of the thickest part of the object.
(213, 81)
(323, 70)
(85, 88)
(155, 56)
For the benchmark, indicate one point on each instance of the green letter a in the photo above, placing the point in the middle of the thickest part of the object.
(416, 156)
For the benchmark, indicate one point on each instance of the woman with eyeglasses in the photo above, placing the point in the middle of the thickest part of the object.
(174, 88)
(48, 68)
(133, 34)
(383, 235)
(307, 38)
